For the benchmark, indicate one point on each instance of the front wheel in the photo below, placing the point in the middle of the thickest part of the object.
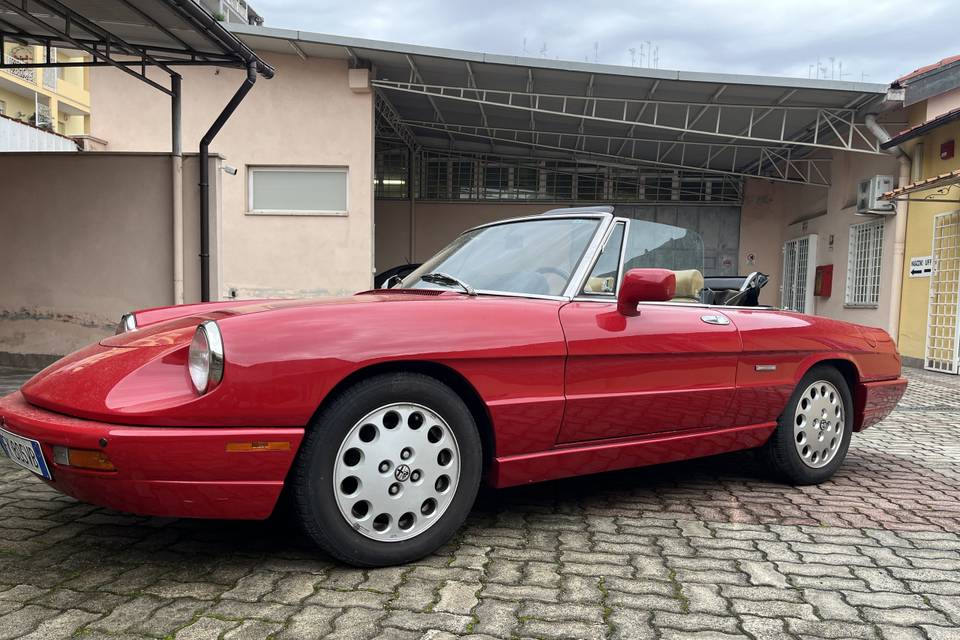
(389, 471)
(813, 433)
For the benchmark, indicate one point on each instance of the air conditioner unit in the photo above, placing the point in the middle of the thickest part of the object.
(869, 192)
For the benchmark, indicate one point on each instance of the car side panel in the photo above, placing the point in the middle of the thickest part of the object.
(780, 347)
(662, 370)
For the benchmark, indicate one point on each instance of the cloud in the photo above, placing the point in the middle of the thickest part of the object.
(874, 40)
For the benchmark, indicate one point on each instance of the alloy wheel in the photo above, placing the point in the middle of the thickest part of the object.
(396, 472)
(819, 424)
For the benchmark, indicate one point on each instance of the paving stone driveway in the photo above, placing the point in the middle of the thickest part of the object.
(707, 549)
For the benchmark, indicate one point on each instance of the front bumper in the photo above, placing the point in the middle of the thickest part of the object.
(875, 400)
(161, 471)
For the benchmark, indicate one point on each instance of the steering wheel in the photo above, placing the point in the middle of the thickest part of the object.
(555, 271)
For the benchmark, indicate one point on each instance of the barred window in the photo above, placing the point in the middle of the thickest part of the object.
(863, 264)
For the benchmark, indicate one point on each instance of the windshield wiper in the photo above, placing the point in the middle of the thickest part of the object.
(448, 281)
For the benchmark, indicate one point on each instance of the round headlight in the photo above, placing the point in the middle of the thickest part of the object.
(205, 359)
(128, 322)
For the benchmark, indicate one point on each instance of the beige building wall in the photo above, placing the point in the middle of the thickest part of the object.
(775, 212)
(306, 115)
(98, 245)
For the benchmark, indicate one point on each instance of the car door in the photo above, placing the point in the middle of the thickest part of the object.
(673, 367)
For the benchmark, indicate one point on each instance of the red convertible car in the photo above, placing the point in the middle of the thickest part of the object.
(543, 347)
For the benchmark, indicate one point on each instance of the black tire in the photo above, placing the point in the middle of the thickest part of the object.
(312, 484)
(781, 450)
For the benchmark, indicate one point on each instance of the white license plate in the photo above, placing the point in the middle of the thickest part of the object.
(24, 452)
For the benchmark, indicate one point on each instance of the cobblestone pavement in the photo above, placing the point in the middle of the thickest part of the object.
(705, 549)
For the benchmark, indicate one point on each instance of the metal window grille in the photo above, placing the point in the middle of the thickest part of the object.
(50, 73)
(391, 174)
(44, 118)
(799, 259)
(487, 177)
(864, 261)
(943, 315)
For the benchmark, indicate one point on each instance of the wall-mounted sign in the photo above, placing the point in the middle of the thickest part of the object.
(946, 150)
(921, 266)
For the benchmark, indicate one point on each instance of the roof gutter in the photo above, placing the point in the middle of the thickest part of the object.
(216, 29)
(920, 129)
(900, 223)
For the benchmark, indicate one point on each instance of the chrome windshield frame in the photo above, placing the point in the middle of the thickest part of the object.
(590, 260)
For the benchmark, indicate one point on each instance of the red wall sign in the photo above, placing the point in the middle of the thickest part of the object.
(946, 150)
(823, 281)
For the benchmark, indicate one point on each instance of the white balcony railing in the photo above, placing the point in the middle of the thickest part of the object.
(26, 73)
(20, 136)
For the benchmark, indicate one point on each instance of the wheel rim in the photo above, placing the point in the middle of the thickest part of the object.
(818, 424)
(396, 472)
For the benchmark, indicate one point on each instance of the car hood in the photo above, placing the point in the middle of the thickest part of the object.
(168, 325)
(133, 376)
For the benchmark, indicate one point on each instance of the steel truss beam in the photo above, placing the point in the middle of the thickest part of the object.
(388, 120)
(416, 76)
(770, 163)
(808, 133)
(834, 128)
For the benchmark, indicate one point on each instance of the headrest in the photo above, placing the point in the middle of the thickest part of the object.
(599, 285)
(689, 283)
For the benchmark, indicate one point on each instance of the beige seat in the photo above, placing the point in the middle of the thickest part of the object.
(689, 284)
(599, 285)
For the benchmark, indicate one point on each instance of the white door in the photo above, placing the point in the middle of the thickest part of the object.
(943, 314)
(799, 271)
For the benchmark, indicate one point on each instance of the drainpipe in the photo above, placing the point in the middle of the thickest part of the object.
(177, 188)
(205, 177)
(900, 226)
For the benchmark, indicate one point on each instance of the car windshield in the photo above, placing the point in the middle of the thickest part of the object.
(531, 257)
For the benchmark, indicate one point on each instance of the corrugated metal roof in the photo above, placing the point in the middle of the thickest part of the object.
(156, 31)
(474, 102)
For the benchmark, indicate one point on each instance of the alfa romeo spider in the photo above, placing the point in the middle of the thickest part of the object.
(568, 343)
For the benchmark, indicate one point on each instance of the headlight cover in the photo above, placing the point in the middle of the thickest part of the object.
(205, 358)
(128, 322)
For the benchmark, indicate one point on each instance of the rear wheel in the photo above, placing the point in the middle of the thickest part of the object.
(389, 471)
(813, 433)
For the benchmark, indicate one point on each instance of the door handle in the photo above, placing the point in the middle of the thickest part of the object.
(715, 319)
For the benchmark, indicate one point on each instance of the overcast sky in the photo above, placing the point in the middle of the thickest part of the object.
(873, 40)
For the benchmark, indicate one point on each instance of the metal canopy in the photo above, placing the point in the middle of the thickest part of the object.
(774, 128)
(128, 34)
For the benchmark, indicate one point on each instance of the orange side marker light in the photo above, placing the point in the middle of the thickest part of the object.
(257, 445)
(82, 459)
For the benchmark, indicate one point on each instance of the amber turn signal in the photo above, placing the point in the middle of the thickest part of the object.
(82, 459)
(257, 445)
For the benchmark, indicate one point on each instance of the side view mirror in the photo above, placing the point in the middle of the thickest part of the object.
(392, 281)
(645, 285)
